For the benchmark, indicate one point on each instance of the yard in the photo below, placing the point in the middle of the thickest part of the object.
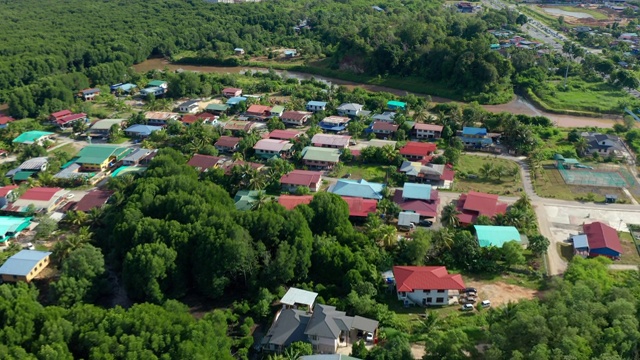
(373, 173)
(469, 176)
(629, 253)
(550, 184)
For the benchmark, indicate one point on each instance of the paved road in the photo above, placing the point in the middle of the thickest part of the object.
(623, 267)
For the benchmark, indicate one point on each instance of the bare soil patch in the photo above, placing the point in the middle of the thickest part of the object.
(502, 293)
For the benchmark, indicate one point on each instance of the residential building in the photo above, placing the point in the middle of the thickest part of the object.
(233, 101)
(386, 116)
(158, 83)
(59, 114)
(65, 118)
(203, 163)
(497, 235)
(33, 137)
(474, 204)
(28, 169)
(384, 129)
(439, 176)
(316, 106)
(237, 127)
(259, 112)
(426, 285)
(598, 239)
(473, 137)
(285, 134)
(135, 157)
(89, 94)
(160, 118)
(297, 178)
(334, 123)
(231, 92)
(396, 105)
(349, 109)
(227, 144)
(217, 109)
(141, 131)
(269, 148)
(24, 266)
(320, 158)
(127, 88)
(331, 141)
(289, 202)
(290, 53)
(382, 143)
(155, 90)
(40, 199)
(427, 131)
(7, 194)
(101, 157)
(11, 227)
(205, 117)
(245, 199)
(191, 106)
(357, 188)
(5, 120)
(603, 144)
(93, 199)
(360, 208)
(295, 118)
(326, 328)
(277, 111)
(418, 151)
(421, 199)
(103, 127)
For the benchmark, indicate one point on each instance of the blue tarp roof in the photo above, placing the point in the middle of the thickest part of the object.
(358, 188)
(416, 191)
(23, 262)
(473, 131)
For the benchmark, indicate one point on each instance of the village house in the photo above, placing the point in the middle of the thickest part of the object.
(11, 227)
(295, 118)
(203, 163)
(289, 202)
(34, 137)
(217, 109)
(127, 88)
(160, 118)
(40, 199)
(227, 144)
(359, 208)
(96, 158)
(191, 106)
(418, 151)
(497, 236)
(357, 188)
(154, 90)
(383, 129)
(335, 124)
(330, 141)
(386, 116)
(315, 106)
(276, 111)
(24, 266)
(301, 178)
(426, 131)
(65, 118)
(134, 157)
(89, 94)
(439, 176)
(93, 199)
(238, 127)
(603, 144)
(238, 51)
(103, 127)
(474, 204)
(270, 148)
(320, 158)
(258, 112)
(235, 100)
(158, 83)
(5, 120)
(426, 285)
(7, 194)
(349, 109)
(231, 92)
(396, 105)
(141, 131)
(285, 134)
(205, 118)
(421, 199)
(28, 169)
(473, 137)
(598, 239)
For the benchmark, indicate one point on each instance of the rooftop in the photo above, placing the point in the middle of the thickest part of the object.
(143, 129)
(106, 124)
(410, 278)
(34, 163)
(359, 207)
(161, 115)
(357, 188)
(204, 162)
(217, 107)
(295, 115)
(416, 191)
(301, 178)
(22, 263)
(350, 107)
(299, 296)
(384, 126)
(601, 236)
(289, 202)
(467, 130)
(284, 134)
(154, 83)
(273, 145)
(331, 140)
(321, 154)
(31, 137)
(98, 154)
(427, 127)
(316, 103)
(40, 194)
(414, 148)
(93, 199)
(228, 141)
(496, 235)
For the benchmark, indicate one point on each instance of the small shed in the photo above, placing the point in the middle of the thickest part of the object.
(580, 245)
(610, 199)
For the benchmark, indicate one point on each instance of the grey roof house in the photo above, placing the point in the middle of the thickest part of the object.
(603, 144)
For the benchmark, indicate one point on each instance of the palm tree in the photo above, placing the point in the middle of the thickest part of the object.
(500, 171)
(487, 170)
(257, 180)
(237, 156)
(261, 200)
(449, 216)
(77, 218)
(443, 239)
(421, 115)
(581, 145)
(387, 235)
(94, 216)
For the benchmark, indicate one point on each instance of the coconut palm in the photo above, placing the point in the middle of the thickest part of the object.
(387, 236)
(421, 115)
(581, 145)
(449, 216)
(94, 217)
(487, 170)
(237, 156)
(443, 239)
(500, 171)
(261, 200)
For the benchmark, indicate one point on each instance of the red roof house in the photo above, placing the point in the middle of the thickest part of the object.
(189, 119)
(93, 199)
(204, 162)
(418, 151)
(291, 201)
(426, 285)
(359, 207)
(68, 120)
(426, 208)
(427, 131)
(5, 190)
(258, 111)
(231, 92)
(227, 143)
(295, 118)
(384, 129)
(4, 120)
(474, 204)
(58, 114)
(284, 134)
(40, 193)
(311, 179)
(603, 240)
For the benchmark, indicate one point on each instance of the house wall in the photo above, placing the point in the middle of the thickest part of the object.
(97, 167)
(189, 109)
(425, 297)
(604, 252)
(315, 108)
(427, 134)
(293, 122)
(324, 345)
(34, 272)
(348, 112)
(319, 164)
(314, 187)
(414, 157)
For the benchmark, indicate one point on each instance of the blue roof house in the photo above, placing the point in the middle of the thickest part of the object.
(496, 235)
(580, 245)
(475, 137)
(140, 130)
(236, 100)
(125, 88)
(24, 265)
(417, 191)
(316, 106)
(357, 188)
(396, 105)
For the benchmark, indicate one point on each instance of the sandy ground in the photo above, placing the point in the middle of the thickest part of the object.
(418, 351)
(501, 293)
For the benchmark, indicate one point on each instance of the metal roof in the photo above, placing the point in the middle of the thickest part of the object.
(580, 241)
(22, 263)
(467, 130)
(357, 188)
(30, 137)
(321, 154)
(416, 191)
(299, 296)
(144, 130)
(496, 235)
(97, 154)
(106, 124)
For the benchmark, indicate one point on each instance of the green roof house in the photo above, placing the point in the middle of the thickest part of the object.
(497, 235)
(33, 137)
(10, 226)
(396, 105)
(320, 158)
(216, 108)
(157, 83)
(245, 199)
(100, 157)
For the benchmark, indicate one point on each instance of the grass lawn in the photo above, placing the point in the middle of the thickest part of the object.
(583, 96)
(565, 251)
(550, 184)
(468, 176)
(595, 13)
(373, 173)
(69, 149)
(629, 252)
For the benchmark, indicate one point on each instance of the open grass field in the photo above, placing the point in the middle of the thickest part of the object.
(550, 184)
(583, 96)
(69, 149)
(596, 14)
(373, 173)
(629, 252)
(468, 176)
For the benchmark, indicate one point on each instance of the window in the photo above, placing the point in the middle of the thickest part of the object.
(403, 294)
(429, 300)
(440, 291)
(439, 300)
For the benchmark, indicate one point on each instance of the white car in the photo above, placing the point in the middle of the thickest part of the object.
(466, 307)
(30, 246)
(369, 337)
(485, 303)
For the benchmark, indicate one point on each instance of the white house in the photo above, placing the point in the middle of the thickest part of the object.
(190, 107)
(427, 131)
(350, 109)
(426, 285)
(316, 106)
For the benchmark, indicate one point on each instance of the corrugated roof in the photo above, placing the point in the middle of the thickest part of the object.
(601, 236)
(321, 154)
(4, 191)
(330, 140)
(284, 134)
(227, 141)
(93, 199)
(217, 107)
(410, 278)
(496, 235)
(204, 162)
(415, 148)
(273, 145)
(427, 127)
(22, 263)
(140, 129)
(277, 109)
(156, 83)
(316, 103)
(40, 193)
(416, 191)
(289, 202)
(357, 188)
(295, 115)
(580, 241)
(23, 175)
(97, 154)
(30, 137)
(359, 207)
(34, 163)
(299, 296)
(106, 124)
(422, 207)
(301, 178)
(10, 226)
(384, 126)
(467, 130)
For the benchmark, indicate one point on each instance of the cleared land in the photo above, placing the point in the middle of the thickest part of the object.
(597, 97)
(468, 176)
(550, 184)
(373, 173)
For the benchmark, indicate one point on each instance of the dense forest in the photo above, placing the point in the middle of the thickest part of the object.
(101, 39)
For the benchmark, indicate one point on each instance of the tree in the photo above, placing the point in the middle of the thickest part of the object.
(147, 271)
(359, 350)
(355, 128)
(275, 123)
(81, 276)
(298, 349)
(449, 216)
(512, 253)
(538, 244)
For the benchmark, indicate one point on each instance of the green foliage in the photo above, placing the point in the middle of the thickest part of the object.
(145, 269)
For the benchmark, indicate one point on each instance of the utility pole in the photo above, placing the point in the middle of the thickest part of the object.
(566, 74)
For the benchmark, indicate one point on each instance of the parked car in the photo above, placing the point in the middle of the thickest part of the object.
(30, 246)
(470, 289)
(466, 307)
(485, 303)
(369, 337)
(346, 176)
(426, 223)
